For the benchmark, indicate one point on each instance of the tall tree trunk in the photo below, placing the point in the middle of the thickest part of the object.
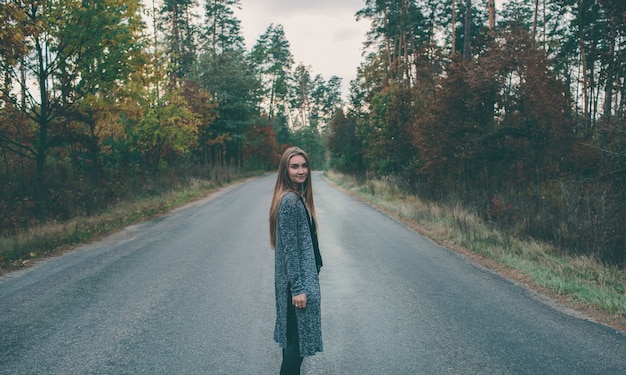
(94, 170)
(610, 77)
(492, 18)
(620, 101)
(388, 44)
(533, 35)
(176, 52)
(453, 28)
(43, 121)
(23, 82)
(585, 81)
(594, 88)
(404, 43)
(156, 46)
(467, 45)
(271, 105)
(545, 33)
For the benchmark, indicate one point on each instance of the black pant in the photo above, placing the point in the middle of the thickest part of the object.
(291, 354)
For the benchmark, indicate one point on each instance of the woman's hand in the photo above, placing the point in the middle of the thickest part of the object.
(299, 301)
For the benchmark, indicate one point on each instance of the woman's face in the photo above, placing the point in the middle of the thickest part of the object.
(298, 169)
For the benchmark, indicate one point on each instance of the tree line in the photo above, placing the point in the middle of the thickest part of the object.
(515, 110)
(104, 99)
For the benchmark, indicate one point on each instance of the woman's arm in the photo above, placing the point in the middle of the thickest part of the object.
(289, 217)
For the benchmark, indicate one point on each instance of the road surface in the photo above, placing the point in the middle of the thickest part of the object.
(192, 293)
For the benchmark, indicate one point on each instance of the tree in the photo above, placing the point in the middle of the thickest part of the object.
(233, 85)
(325, 99)
(272, 56)
(388, 148)
(398, 30)
(177, 17)
(613, 70)
(63, 65)
(450, 135)
(344, 145)
(222, 31)
(225, 71)
(467, 45)
(488, 126)
(201, 104)
(492, 17)
(538, 100)
(300, 96)
(262, 149)
(453, 28)
(169, 127)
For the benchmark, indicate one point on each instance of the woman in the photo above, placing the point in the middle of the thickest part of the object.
(293, 236)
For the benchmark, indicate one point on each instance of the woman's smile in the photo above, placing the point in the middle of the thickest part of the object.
(298, 169)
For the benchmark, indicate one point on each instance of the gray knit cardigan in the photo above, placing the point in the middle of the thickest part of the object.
(295, 267)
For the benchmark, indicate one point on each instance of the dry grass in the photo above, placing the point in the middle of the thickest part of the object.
(582, 283)
(54, 238)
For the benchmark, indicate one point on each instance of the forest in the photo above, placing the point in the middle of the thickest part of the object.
(514, 109)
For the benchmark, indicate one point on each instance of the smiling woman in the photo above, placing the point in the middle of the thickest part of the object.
(298, 169)
(297, 262)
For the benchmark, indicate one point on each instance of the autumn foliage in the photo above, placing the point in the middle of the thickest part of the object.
(497, 127)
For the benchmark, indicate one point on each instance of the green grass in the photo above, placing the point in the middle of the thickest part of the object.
(581, 282)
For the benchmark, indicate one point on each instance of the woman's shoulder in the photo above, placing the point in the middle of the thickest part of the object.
(290, 196)
(289, 199)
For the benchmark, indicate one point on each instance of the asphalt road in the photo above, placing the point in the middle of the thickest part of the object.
(192, 293)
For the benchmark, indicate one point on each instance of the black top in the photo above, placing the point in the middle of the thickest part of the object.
(313, 229)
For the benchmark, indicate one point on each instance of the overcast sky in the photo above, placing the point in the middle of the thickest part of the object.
(323, 34)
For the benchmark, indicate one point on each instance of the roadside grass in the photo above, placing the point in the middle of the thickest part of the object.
(581, 283)
(21, 250)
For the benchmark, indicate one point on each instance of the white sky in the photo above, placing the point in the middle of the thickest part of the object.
(322, 34)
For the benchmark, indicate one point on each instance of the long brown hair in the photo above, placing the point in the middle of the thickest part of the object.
(285, 185)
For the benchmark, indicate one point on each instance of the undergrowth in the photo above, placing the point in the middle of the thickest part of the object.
(578, 281)
(19, 250)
